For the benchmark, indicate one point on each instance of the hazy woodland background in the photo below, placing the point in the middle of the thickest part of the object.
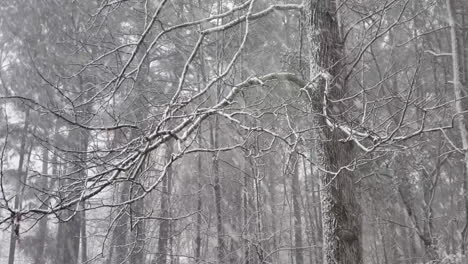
(233, 131)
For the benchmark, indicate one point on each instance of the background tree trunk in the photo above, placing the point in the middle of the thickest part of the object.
(296, 193)
(15, 226)
(164, 226)
(39, 258)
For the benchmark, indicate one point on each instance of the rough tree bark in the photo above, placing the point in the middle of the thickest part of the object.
(460, 121)
(340, 209)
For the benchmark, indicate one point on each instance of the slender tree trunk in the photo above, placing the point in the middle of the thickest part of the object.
(42, 230)
(137, 255)
(137, 221)
(69, 234)
(78, 139)
(72, 240)
(340, 209)
(296, 192)
(217, 194)
(219, 217)
(198, 239)
(16, 222)
(258, 218)
(164, 226)
(84, 236)
(375, 238)
(48, 185)
(317, 209)
(245, 217)
(464, 44)
(214, 128)
(57, 171)
(68, 238)
(311, 238)
(119, 250)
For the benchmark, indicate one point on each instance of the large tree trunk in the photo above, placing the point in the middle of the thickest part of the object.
(460, 120)
(15, 227)
(340, 209)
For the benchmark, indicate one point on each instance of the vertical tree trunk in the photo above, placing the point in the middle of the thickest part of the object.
(464, 43)
(137, 255)
(217, 194)
(382, 237)
(57, 170)
(119, 247)
(219, 212)
(71, 240)
(311, 238)
(42, 232)
(69, 234)
(214, 128)
(84, 237)
(317, 209)
(198, 238)
(296, 192)
(15, 226)
(245, 216)
(137, 221)
(259, 250)
(340, 209)
(164, 226)
(460, 120)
